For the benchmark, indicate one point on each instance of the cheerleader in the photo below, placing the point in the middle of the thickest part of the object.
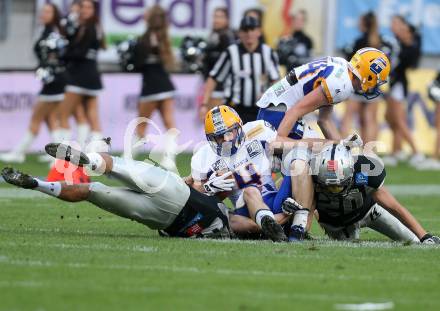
(48, 49)
(408, 56)
(83, 77)
(358, 105)
(153, 55)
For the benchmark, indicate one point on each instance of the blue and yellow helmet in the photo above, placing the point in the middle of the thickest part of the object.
(220, 121)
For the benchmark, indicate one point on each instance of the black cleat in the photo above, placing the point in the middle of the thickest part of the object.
(67, 153)
(18, 178)
(272, 229)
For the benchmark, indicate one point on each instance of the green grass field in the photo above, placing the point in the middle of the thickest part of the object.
(60, 256)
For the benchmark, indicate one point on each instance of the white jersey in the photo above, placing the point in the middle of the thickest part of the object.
(331, 73)
(251, 163)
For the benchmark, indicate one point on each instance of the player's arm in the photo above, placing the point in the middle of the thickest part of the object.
(326, 123)
(385, 199)
(312, 101)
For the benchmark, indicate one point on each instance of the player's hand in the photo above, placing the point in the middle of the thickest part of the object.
(221, 183)
(430, 239)
(352, 141)
(290, 206)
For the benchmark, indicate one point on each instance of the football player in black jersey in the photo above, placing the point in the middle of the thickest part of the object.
(152, 196)
(349, 195)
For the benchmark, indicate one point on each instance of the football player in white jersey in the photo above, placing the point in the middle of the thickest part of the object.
(319, 85)
(238, 160)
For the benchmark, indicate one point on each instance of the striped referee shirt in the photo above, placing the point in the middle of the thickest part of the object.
(246, 75)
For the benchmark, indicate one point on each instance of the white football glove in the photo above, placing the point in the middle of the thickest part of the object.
(217, 184)
(352, 141)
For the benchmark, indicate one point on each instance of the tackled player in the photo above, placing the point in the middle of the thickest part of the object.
(157, 198)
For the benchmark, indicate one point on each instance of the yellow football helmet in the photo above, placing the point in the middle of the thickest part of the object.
(223, 129)
(372, 67)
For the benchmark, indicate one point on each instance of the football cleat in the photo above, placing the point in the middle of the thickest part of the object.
(67, 153)
(430, 239)
(272, 229)
(297, 233)
(18, 178)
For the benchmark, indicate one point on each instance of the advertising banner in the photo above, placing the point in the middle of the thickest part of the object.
(424, 14)
(117, 107)
(118, 103)
(121, 18)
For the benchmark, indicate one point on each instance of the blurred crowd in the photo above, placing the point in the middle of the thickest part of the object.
(237, 66)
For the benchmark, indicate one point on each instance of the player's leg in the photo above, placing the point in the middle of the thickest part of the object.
(60, 190)
(302, 189)
(383, 222)
(262, 215)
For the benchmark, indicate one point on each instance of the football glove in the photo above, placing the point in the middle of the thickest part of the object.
(352, 141)
(217, 184)
(290, 206)
(430, 239)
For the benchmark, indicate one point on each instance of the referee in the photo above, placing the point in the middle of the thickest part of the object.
(247, 68)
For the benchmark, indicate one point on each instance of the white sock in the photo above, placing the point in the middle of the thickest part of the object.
(171, 144)
(52, 188)
(24, 144)
(65, 134)
(83, 130)
(300, 218)
(261, 213)
(56, 135)
(94, 135)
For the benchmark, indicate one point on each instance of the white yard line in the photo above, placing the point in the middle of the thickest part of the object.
(367, 306)
(338, 275)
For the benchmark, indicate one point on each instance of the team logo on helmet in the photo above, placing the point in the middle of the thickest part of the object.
(378, 65)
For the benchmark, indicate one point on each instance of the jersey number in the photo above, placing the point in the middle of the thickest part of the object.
(247, 175)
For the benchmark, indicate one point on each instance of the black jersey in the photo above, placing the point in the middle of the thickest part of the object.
(352, 204)
(198, 213)
(295, 50)
(85, 44)
(49, 48)
(388, 45)
(408, 57)
(217, 42)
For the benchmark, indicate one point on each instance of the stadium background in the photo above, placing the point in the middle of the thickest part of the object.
(331, 26)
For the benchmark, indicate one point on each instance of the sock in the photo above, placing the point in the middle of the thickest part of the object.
(95, 135)
(24, 143)
(52, 188)
(83, 130)
(171, 143)
(262, 213)
(65, 134)
(56, 135)
(300, 218)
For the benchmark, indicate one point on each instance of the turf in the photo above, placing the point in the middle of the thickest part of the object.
(60, 256)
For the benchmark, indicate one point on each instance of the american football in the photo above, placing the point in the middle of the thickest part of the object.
(164, 155)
